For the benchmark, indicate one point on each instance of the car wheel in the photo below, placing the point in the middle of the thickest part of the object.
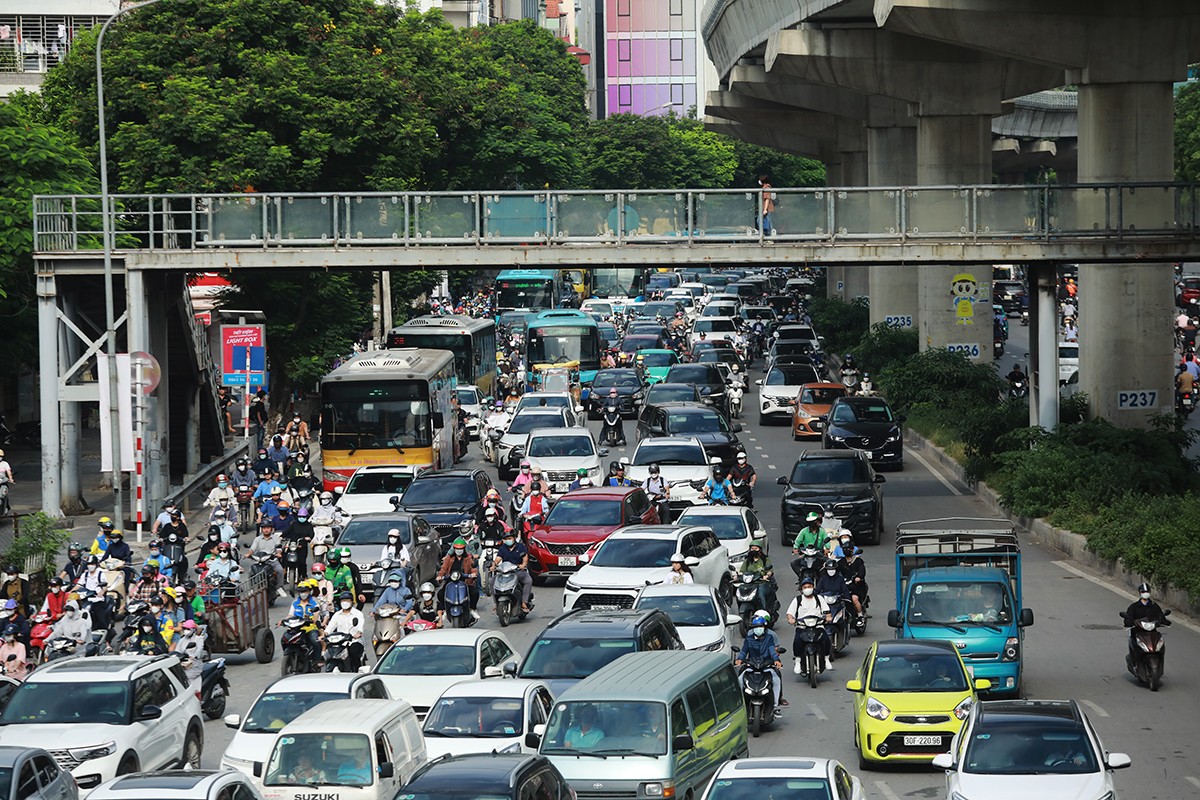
(193, 746)
(725, 591)
(128, 765)
(762, 419)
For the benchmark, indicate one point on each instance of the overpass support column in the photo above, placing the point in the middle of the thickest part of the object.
(47, 291)
(1043, 346)
(956, 300)
(1126, 134)
(892, 161)
(854, 173)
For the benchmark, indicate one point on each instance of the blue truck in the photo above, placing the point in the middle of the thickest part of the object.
(959, 579)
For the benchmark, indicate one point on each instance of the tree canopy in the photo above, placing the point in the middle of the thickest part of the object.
(1187, 133)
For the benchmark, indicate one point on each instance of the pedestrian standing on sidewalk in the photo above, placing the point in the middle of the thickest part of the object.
(6, 480)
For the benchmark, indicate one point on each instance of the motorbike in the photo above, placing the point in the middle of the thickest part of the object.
(418, 624)
(506, 591)
(811, 560)
(387, 628)
(744, 493)
(735, 399)
(457, 602)
(299, 655)
(839, 629)
(849, 379)
(997, 348)
(611, 432)
(291, 561)
(303, 488)
(1025, 318)
(487, 556)
(749, 594)
(662, 506)
(1018, 389)
(758, 691)
(60, 648)
(263, 562)
(1185, 403)
(214, 688)
(811, 631)
(43, 626)
(866, 388)
(1147, 650)
(134, 611)
(337, 652)
(244, 495)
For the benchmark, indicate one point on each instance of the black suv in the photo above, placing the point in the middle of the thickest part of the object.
(705, 377)
(448, 500)
(865, 423)
(841, 481)
(630, 391)
(511, 776)
(672, 393)
(710, 426)
(582, 641)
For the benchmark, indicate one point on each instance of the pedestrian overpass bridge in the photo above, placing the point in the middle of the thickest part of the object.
(1094, 223)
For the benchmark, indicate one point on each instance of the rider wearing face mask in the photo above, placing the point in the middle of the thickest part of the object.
(515, 552)
(458, 559)
(221, 491)
(15, 587)
(761, 645)
(56, 599)
(831, 581)
(119, 548)
(13, 655)
(73, 625)
(808, 604)
(395, 593)
(425, 607)
(348, 619)
(190, 646)
(147, 641)
(224, 567)
(74, 567)
(226, 510)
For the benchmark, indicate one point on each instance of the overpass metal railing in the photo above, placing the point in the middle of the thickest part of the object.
(694, 217)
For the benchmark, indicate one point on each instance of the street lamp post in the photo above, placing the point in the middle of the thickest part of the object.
(110, 324)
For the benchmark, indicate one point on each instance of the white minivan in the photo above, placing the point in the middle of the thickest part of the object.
(345, 749)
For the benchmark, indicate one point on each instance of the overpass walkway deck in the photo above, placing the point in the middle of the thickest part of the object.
(1094, 223)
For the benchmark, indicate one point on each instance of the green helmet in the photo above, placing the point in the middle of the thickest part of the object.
(761, 544)
(460, 542)
(344, 553)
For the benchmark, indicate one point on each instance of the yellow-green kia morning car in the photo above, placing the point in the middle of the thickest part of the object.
(911, 697)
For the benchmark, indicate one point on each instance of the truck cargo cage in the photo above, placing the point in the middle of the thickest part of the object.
(950, 542)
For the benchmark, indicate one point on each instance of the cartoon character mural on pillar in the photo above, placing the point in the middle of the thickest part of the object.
(964, 291)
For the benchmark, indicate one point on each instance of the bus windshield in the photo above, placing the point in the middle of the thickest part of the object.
(560, 344)
(617, 281)
(530, 292)
(376, 414)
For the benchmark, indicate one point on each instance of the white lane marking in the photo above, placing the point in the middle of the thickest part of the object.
(1118, 590)
(817, 712)
(758, 447)
(1193, 781)
(886, 790)
(1095, 707)
(954, 489)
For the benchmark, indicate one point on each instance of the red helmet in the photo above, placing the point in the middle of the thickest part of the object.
(318, 569)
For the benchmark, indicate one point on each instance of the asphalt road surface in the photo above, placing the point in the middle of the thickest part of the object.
(1076, 649)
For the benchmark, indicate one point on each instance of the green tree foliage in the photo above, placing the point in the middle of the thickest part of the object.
(783, 169)
(663, 152)
(35, 158)
(1187, 133)
(842, 324)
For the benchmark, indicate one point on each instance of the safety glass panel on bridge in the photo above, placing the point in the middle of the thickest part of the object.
(934, 213)
(233, 219)
(800, 214)
(371, 219)
(1147, 209)
(590, 217)
(725, 215)
(515, 218)
(303, 220)
(1009, 211)
(446, 217)
(866, 213)
(1080, 210)
(657, 216)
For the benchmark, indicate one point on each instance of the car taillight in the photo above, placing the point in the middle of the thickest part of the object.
(198, 697)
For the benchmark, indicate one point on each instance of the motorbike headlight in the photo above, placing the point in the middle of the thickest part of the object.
(96, 751)
(877, 710)
(1012, 649)
(962, 709)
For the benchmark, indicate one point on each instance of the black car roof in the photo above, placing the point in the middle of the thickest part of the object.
(594, 624)
(476, 772)
(813, 455)
(687, 408)
(861, 401)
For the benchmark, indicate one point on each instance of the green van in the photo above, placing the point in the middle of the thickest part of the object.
(671, 717)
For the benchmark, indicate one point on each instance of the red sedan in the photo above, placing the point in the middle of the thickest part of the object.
(579, 521)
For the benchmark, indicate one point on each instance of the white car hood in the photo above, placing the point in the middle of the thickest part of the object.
(1031, 787)
(250, 747)
(592, 577)
(55, 737)
(563, 463)
(782, 392)
(438, 746)
(694, 638)
(670, 474)
(421, 690)
(353, 504)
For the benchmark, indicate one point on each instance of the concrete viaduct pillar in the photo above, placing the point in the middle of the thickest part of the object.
(892, 161)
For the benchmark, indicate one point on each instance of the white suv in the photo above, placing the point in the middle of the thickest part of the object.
(682, 463)
(371, 488)
(107, 716)
(561, 452)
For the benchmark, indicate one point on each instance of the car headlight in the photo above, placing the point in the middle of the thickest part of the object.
(962, 709)
(716, 646)
(658, 789)
(959, 796)
(538, 543)
(877, 709)
(837, 438)
(1012, 649)
(894, 436)
(571, 587)
(96, 751)
(515, 747)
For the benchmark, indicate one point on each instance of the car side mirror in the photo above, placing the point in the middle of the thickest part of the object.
(656, 430)
(683, 741)
(823, 418)
(714, 460)
(782, 480)
(386, 770)
(854, 685)
(624, 460)
(603, 451)
(509, 669)
(533, 740)
(943, 761)
(578, 409)
(758, 382)
(1118, 760)
(339, 490)
(732, 619)
(901, 418)
(430, 539)
(736, 427)
(258, 769)
(1026, 617)
(982, 684)
(893, 619)
(879, 479)
(395, 501)
(233, 721)
(492, 672)
(150, 712)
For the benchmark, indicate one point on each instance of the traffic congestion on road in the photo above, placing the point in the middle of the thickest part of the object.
(630, 537)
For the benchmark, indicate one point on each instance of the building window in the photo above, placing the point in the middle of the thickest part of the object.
(676, 94)
(677, 49)
(676, 8)
(622, 8)
(33, 43)
(623, 46)
(624, 96)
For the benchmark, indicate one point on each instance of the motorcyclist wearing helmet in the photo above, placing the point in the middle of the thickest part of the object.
(524, 476)
(395, 592)
(580, 474)
(221, 489)
(224, 567)
(324, 592)
(100, 543)
(425, 607)
(743, 477)
(162, 561)
(760, 646)
(807, 604)
(855, 570)
(1144, 608)
(719, 489)
(491, 500)
(151, 584)
(279, 453)
(340, 571)
(659, 491)
(267, 485)
(74, 567)
(617, 476)
(536, 504)
(118, 548)
(811, 535)
(242, 475)
(348, 619)
(262, 464)
(147, 641)
(396, 551)
(759, 564)
(305, 605)
(268, 542)
(459, 560)
(493, 528)
(515, 552)
(1016, 375)
(56, 599)
(831, 581)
